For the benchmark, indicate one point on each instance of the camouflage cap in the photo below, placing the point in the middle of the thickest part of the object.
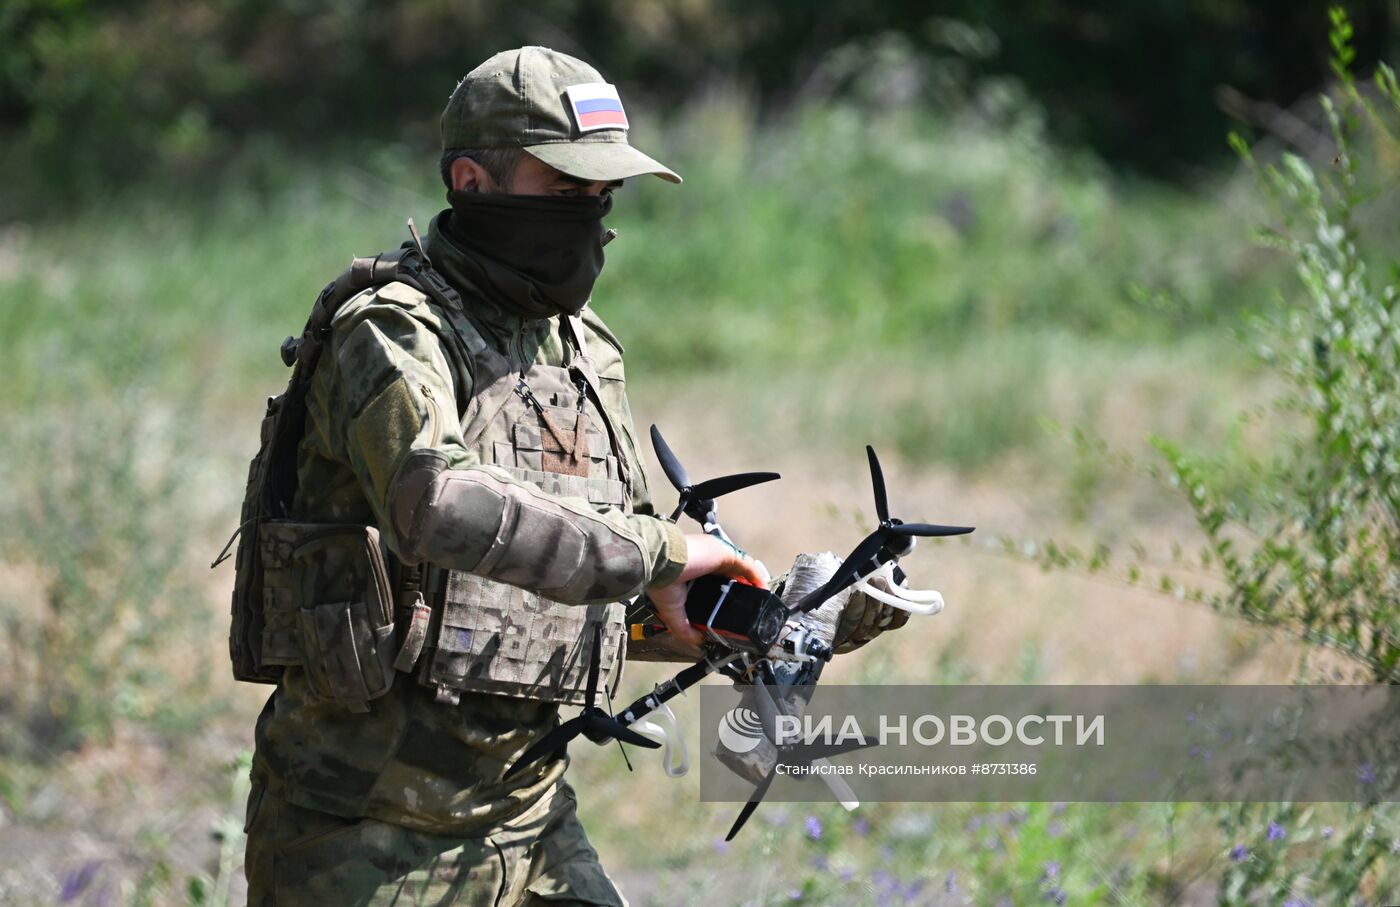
(552, 105)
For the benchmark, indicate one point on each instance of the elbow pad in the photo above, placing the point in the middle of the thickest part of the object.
(477, 521)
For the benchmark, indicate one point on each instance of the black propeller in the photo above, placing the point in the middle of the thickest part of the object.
(698, 501)
(892, 539)
(593, 722)
(788, 754)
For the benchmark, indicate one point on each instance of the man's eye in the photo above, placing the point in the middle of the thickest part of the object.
(567, 191)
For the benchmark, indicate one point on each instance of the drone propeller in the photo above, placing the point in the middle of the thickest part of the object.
(698, 501)
(891, 540)
(754, 799)
(594, 723)
(794, 755)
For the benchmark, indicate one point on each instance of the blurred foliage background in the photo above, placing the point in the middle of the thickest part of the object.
(1008, 243)
(92, 92)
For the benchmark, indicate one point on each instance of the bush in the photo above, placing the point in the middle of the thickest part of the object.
(1307, 542)
(1313, 547)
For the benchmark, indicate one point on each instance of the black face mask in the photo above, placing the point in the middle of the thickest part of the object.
(538, 254)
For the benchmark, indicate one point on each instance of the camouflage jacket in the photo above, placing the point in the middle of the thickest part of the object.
(412, 760)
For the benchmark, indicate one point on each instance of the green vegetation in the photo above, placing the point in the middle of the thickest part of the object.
(943, 282)
(1314, 546)
(1304, 537)
(959, 269)
(91, 92)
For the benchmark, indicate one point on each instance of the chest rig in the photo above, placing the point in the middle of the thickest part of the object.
(331, 599)
(546, 426)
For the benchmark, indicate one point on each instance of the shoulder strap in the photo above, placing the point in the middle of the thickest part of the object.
(407, 264)
(495, 382)
(584, 365)
(573, 325)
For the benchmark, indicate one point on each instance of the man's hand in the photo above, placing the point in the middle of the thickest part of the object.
(706, 555)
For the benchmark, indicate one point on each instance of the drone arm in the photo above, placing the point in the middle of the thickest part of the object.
(670, 689)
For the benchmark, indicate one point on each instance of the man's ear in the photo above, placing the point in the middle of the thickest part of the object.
(469, 176)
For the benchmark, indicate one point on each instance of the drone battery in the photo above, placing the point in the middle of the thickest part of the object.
(737, 611)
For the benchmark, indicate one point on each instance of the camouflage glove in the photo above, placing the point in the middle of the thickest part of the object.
(863, 618)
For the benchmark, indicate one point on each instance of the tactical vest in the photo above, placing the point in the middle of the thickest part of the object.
(551, 429)
(333, 600)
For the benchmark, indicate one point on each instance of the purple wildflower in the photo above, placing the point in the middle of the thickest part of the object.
(1366, 773)
(721, 845)
(1327, 832)
(846, 875)
(820, 862)
(794, 894)
(1190, 717)
(1052, 870)
(1056, 895)
(861, 827)
(950, 884)
(77, 881)
(1297, 902)
(1054, 828)
(813, 826)
(1239, 853)
(887, 853)
(1276, 832)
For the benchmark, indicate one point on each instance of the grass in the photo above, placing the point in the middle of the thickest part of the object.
(951, 290)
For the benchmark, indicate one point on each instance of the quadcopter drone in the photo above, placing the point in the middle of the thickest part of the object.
(751, 634)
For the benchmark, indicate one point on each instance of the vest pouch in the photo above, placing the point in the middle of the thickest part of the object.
(348, 659)
(501, 639)
(332, 612)
(246, 628)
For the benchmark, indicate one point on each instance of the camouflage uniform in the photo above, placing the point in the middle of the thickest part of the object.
(516, 517)
(302, 856)
(405, 799)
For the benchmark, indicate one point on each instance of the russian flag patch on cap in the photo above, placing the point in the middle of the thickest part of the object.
(596, 106)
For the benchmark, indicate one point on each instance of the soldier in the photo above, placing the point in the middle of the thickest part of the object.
(469, 503)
